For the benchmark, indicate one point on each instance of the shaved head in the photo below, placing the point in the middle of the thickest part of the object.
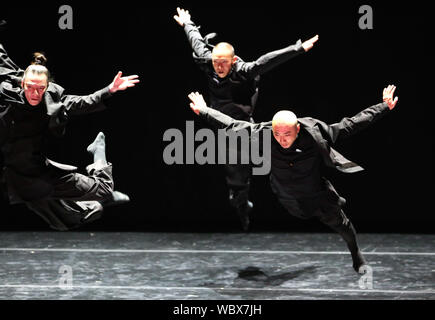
(285, 128)
(284, 117)
(223, 48)
(223, 59)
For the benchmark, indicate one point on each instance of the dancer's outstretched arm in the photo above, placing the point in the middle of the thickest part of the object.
(8, 68)
(261, 65)
(199, 106)
(193, 35)
(272, 59)
(84, 104)
(349, 126)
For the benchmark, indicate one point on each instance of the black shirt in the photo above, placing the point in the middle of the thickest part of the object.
(25, 173)
(232, 95)
(236, 94)
(26, 126)
(297, 170)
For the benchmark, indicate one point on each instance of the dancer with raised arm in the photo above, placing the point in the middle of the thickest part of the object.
(31, 108)
(233, 90)
(300, 151)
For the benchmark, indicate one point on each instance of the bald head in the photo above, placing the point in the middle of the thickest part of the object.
(285, 128)
(284, 118)
(223, 48)
(223, 59)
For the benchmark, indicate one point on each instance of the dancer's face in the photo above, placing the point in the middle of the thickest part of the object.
(286, 134)
(34, 86)
(222, 61)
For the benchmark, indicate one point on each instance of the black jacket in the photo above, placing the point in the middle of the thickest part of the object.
(59, 105)
(236, 94)
(324, 135)
(27, 174)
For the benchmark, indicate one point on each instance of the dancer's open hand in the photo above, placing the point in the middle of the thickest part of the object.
(197, 103)
(307, 45)
(388, 95)
(122, 83)
(183, 16)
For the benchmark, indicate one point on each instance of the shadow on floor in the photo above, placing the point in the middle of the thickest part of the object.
(256, 275)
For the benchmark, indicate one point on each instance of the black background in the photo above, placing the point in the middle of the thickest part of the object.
(344, 73)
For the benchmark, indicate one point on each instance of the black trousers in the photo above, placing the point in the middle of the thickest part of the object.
(76, 198)
(238, 178)
(326, 206)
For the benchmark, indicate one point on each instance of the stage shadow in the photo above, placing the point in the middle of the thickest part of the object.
(256, 275)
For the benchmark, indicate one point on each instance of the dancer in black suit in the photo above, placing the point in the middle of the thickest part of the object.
(31, 108)
(300, 151)
(233, 90)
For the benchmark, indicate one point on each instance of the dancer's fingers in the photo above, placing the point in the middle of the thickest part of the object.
(393, 104)
(388, 91)
(118, 75)
(132, 77)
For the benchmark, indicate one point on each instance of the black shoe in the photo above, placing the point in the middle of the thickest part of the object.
(243, 213)
(114, 199)
(359, 263)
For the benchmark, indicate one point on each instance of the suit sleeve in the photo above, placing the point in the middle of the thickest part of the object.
(270, 60)
(196, 41)
(76, 105)
(8, 68)
(349, 126)
(225, 122)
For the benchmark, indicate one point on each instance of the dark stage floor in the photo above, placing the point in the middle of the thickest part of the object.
(234, 266)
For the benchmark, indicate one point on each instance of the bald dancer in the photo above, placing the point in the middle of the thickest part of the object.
(300, 152)
(233, 90)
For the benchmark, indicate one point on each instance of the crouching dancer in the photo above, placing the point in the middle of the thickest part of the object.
(31, 109)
